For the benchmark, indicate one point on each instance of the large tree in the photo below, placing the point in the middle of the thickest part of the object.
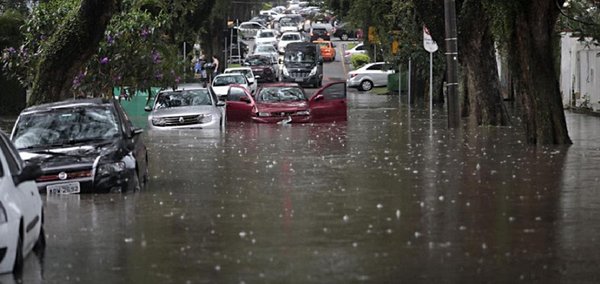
(69, 48)
(531, 44)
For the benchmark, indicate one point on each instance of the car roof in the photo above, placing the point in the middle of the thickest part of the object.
(280, 85)
(238, 68)
(71, 103)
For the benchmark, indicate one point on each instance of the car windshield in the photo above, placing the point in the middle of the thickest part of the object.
(289, 37)
(246, 72)
(265, 48)
(266, 34)
(288, 24)
(280, 94)
(229, 80)
(183, 99)
(323, 44)
(257, 61)
(300, 56)
(65, 126)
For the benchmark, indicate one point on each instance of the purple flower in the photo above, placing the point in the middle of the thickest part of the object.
(11, 50)
(156, 58)
(145, 33)
(104, 60)
(159, 76)
(177, 79)
(110, 40)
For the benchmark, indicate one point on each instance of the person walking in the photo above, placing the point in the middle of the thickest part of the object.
(215, 66)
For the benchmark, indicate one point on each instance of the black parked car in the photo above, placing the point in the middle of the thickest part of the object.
(344, 32)
(87, 145)
(262, 67)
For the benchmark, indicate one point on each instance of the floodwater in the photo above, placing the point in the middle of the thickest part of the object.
(385, 198)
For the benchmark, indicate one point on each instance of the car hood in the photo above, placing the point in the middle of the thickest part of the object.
(184, 111)
(73, 157)
(282, 106)
(221, 90)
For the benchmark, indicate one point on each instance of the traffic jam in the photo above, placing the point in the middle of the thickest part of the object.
(91, 145)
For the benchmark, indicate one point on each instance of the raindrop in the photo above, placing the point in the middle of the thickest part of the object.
(441, 198)
(379, 206)
(128, 240)
(398, 214)
(217, 267)
(242, 234)
(483, 246)
(346, 218)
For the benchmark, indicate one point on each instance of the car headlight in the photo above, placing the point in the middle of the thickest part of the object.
(313, 72)
(111, 168)
(285, 71)
(3, 215)
(303, 112)
(263, 114)
(205, 118)
(159, 122)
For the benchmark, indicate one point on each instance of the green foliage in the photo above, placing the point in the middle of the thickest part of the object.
(267, 6)
(359, 60)
(582, 17)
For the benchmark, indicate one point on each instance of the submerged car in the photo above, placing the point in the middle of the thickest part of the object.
(247, 71)
(187, 107)
(21, 212)
(87, 145)
(287, 103)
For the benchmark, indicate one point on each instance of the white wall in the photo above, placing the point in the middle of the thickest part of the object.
(579, 72)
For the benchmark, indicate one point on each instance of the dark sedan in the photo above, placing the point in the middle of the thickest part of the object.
(262, 67)
(82, 146)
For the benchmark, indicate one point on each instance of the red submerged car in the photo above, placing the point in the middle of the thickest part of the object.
(287, 103)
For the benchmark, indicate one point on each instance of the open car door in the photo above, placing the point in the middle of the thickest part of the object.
(329, 103)
(239, 104)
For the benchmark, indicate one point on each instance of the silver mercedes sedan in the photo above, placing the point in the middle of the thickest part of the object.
(190, 106)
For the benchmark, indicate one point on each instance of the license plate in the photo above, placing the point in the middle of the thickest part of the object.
(299, 80)
(63, 188)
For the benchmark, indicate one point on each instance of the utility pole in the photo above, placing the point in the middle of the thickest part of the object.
(452, 60)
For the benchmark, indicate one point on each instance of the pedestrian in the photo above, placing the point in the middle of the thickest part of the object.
(215, 66)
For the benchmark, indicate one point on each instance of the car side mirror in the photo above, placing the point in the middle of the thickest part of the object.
(245, 99)
(137, 131)
(221, 103)
(29, 173)
(148, 109)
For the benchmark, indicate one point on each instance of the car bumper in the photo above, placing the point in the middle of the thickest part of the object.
(353, 82)
(312, 80)
(213, 124)
(8, 245)
(278, 119)
(117, 182)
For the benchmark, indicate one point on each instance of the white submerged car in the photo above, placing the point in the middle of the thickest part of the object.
(249, 75)
(188, 107)
(21, 213)
(369, 76)
(221, 83)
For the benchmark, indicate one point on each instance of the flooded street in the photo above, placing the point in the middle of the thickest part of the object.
(380, 199)
(385, 198)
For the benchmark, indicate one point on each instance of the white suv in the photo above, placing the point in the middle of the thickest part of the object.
(21, 220)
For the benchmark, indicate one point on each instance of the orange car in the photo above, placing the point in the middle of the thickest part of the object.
(327, 49)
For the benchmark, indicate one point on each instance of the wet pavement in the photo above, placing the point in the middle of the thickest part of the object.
(387, 197)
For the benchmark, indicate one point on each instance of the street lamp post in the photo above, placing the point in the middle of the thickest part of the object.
(452, 60)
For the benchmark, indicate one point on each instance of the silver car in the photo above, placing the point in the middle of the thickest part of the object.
(188, 107)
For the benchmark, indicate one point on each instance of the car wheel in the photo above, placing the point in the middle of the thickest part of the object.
(344, 37)
(366, 85)
(18, 266)
(40, 244)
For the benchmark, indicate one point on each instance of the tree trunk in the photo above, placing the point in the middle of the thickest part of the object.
(537, 81)
(69, 49)
(481, 70)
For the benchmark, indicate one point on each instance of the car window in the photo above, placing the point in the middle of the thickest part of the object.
(280, 94)
(335, 91)
(11, 156)
(66, 126)
(376, 67)
(229, 80)
(360, 47)
(267, 34)
(183, 99)
(235, 94)
(289, 37)
(257, 61)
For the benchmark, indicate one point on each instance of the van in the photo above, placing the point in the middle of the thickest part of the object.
(303, 64)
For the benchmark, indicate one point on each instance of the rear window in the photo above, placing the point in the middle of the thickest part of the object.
(290, 37)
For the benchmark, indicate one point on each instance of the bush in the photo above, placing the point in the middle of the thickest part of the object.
(359, 60)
